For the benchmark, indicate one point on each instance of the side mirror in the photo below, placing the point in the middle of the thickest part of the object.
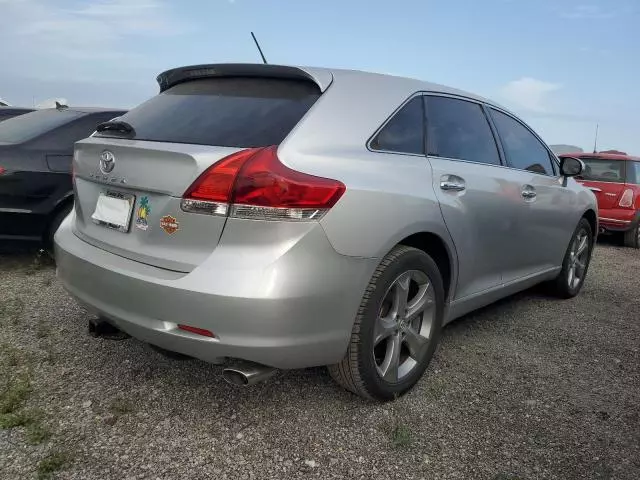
(571, 166)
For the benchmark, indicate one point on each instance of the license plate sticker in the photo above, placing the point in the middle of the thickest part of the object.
(113, 210)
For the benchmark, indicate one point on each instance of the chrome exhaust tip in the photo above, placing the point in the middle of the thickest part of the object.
(246, 374)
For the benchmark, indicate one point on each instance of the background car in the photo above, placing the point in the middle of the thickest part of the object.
(615, 179)
(297, 217)
(36, 150)
(9, 112)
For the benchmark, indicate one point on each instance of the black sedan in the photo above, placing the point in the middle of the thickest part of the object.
(9, 112)
(36, 150)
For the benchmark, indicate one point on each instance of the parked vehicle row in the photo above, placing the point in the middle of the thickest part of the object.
(288, 217)
(36, 150)
(615, 179)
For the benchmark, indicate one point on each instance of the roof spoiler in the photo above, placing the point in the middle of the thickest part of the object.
(169, 78)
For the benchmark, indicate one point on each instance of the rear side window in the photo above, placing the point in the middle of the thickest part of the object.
(31, 125)
(459, 129)
(229, 112)
(523, 150)
(404, 132)
(603, 170)
(633, 172)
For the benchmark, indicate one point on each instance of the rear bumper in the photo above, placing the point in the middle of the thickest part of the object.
(294, 312)
(618, 219)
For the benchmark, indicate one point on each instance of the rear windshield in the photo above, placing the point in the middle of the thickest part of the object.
(30, 125)
(229, 112)
(603, 170)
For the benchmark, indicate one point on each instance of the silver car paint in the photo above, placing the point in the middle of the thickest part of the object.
(286, 294)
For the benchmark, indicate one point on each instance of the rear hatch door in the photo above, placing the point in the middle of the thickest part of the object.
(606, 178)
(129, 186)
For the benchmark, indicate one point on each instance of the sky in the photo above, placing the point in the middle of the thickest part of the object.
(562, 65)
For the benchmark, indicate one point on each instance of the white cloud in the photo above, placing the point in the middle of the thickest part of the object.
(84, 48)
(588, 12)
(93, 29)
(529, 93)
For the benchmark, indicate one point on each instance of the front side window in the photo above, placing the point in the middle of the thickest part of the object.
(523, 150)
(603, 170)
(459, 129)
(404, 133)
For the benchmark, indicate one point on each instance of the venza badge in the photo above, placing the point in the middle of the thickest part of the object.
(107, 161)
(144, 209)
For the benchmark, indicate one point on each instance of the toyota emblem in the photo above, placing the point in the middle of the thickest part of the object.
(107, 161)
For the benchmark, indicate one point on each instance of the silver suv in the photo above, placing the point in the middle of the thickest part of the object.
(286, 217)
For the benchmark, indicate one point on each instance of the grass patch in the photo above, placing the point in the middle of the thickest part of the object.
(43, 329)
(37, 432)
(12, 420)
(401, 436)
(51, 464)
(14, 393)
(121, 406)
(11, 355)
(11, 309)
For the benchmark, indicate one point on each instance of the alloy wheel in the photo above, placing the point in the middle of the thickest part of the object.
(404, 326)
(578, 258)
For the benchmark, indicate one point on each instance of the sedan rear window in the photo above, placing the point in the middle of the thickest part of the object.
(229, 112)
(603, 170)
(30, 125)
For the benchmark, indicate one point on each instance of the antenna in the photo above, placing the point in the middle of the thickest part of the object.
(595, 143)
(264, 60)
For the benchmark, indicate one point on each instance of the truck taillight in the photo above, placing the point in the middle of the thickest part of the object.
(626, 200)
(254, 184)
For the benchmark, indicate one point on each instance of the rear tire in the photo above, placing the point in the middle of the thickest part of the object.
(576, 262)
(397, 328)
(632, 237)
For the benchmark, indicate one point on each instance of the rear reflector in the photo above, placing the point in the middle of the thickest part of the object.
(196, 330)
(626, 200)
(254, 184)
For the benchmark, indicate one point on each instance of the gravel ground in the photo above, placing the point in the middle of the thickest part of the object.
(529, 388)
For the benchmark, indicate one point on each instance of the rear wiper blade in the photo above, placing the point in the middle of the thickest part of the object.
(116, 126)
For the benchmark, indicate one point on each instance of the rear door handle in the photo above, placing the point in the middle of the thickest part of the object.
(529, 192)
(452, 183)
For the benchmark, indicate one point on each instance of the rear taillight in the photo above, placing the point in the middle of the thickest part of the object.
(626, 200)
(2, 170)
(254, 184)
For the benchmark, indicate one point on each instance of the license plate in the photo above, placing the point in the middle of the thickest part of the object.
(113, 210)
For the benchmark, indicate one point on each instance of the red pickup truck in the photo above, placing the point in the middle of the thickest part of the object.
(615, 179)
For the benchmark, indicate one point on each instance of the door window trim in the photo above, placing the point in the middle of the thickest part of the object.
(391, 117)
(553, 159)
(501, 157)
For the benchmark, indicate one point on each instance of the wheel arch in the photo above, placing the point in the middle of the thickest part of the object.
(592, 218)
(438, 249)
